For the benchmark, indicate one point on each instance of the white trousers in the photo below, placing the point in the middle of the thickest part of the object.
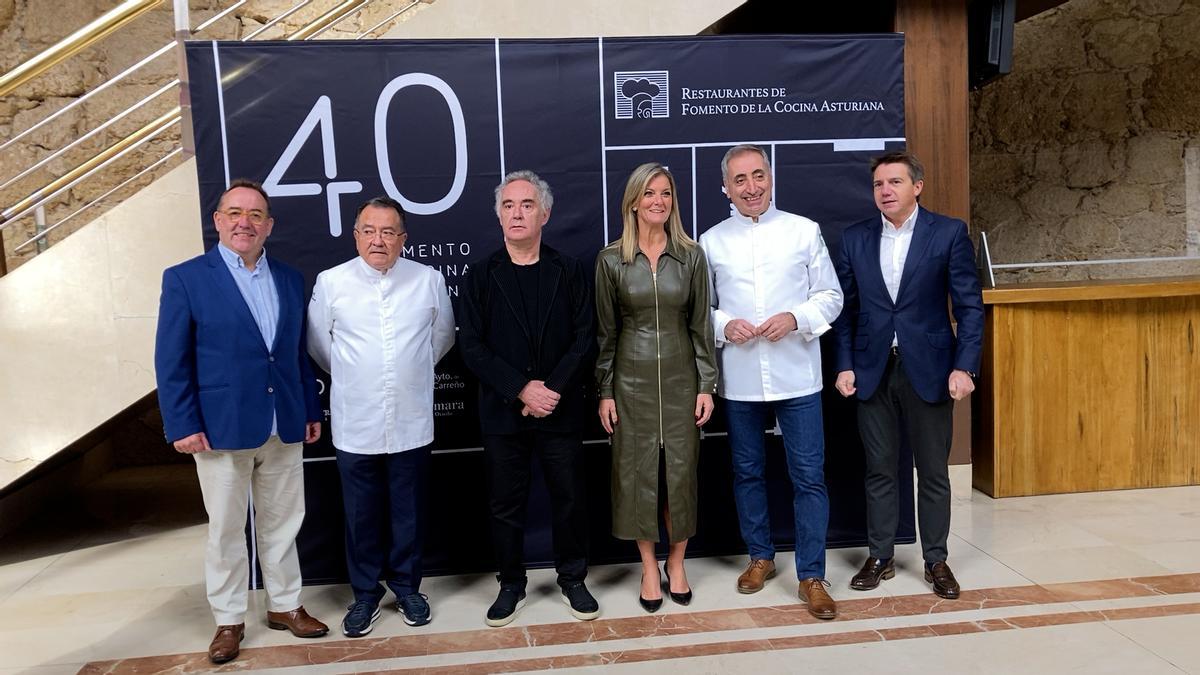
(275, 472)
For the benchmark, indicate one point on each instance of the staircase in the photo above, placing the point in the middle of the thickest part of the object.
(77, 319)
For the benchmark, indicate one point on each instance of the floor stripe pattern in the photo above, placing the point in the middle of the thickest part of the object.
(704, 633)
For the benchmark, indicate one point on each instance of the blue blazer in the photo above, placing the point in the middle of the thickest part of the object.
(940, 264)
(215, 374)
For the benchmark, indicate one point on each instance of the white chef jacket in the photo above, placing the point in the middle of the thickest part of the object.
(779, 264)
(379, 334)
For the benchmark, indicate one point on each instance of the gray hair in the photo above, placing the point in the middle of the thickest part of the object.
(545, 196)
(739, 149)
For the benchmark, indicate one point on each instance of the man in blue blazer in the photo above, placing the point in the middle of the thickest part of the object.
(897, 352)
(237, 393)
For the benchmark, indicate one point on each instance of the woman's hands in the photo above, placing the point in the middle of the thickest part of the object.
(704, 408)
(608, 411)
(608, 414)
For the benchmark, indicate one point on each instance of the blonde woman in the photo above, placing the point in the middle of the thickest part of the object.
(657, 375)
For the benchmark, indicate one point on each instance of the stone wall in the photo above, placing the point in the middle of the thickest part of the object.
(29, 26)
(1090, 148)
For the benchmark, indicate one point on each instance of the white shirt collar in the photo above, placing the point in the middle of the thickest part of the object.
(747, 220)
(235, 261)
(373, 273)
(907, 226)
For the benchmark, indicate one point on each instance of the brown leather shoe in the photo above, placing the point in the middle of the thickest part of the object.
(812, 591)
(225, 644)
(872, 572)
(298, 621)
(756, 574)
(944, 583)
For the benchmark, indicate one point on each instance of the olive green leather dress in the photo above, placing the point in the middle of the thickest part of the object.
(656, 355)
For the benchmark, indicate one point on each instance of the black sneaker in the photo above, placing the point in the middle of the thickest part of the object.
(504, 609)
(360, 619)
(583, 606)
(414, 607)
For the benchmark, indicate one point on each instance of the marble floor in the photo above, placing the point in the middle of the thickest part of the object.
(1102, 583)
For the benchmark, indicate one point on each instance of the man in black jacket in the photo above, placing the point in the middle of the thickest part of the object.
(527, 331)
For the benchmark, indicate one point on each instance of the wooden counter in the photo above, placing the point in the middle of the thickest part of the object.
(1089, 386)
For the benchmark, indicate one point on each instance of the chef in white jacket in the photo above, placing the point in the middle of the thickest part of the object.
(774, 293)
(378, 324)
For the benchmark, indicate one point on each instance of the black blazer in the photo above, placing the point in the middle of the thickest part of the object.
(505, 353)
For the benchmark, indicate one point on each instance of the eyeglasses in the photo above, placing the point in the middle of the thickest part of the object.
(370, 232)
(255, 216)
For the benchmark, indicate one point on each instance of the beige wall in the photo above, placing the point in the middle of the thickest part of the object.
(1090, 149)
(77, 336)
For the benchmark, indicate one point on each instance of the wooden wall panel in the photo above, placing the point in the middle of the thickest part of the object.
(937, 125)
(1090, 395)
(936, 105)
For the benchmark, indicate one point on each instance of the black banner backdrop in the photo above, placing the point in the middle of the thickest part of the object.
(436, 124)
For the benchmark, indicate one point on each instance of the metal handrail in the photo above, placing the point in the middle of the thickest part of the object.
(51, 189)
(107, 123)
(87, 168)
(90, 93)
(1099, 261)
(41, 235)
(146, 60)
(393, 15)
(157, 126)
(276, 20)
(74, 43)
(327, 20)
(218, 16)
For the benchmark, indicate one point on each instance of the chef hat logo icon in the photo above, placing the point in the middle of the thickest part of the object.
(641, 94)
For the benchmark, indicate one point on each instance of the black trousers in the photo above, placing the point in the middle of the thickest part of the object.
(893, 409)
(509, 458)
(384, 496)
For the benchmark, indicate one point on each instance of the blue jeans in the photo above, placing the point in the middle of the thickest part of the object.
(801, 422)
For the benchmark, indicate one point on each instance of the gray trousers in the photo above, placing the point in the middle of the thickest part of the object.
(893, 409)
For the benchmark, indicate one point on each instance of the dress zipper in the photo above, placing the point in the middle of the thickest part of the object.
(658, 358)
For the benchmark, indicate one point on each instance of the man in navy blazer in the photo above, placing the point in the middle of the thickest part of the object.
(897, 352)
(237, 393)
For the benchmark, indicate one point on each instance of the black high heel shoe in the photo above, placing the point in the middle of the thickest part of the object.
(679, 598)
(650, 606)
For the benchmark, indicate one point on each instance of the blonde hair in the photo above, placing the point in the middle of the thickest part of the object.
(635, 187)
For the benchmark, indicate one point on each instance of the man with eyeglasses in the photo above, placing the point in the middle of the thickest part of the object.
(237, 393)
(378, 324)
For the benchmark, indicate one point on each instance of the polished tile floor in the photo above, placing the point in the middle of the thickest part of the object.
(1102, 583)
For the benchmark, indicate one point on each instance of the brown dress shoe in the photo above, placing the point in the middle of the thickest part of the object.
(820, 605)
(944, 583)
(225, 644)
(298, 621)
(872, 572)
(756, 574)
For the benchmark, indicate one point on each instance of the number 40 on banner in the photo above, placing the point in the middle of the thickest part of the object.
(321, 117)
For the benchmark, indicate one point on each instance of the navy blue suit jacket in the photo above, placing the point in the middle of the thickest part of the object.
(215, 374)
(940, 264)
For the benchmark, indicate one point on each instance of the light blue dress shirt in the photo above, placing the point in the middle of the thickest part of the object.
(261, 296)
